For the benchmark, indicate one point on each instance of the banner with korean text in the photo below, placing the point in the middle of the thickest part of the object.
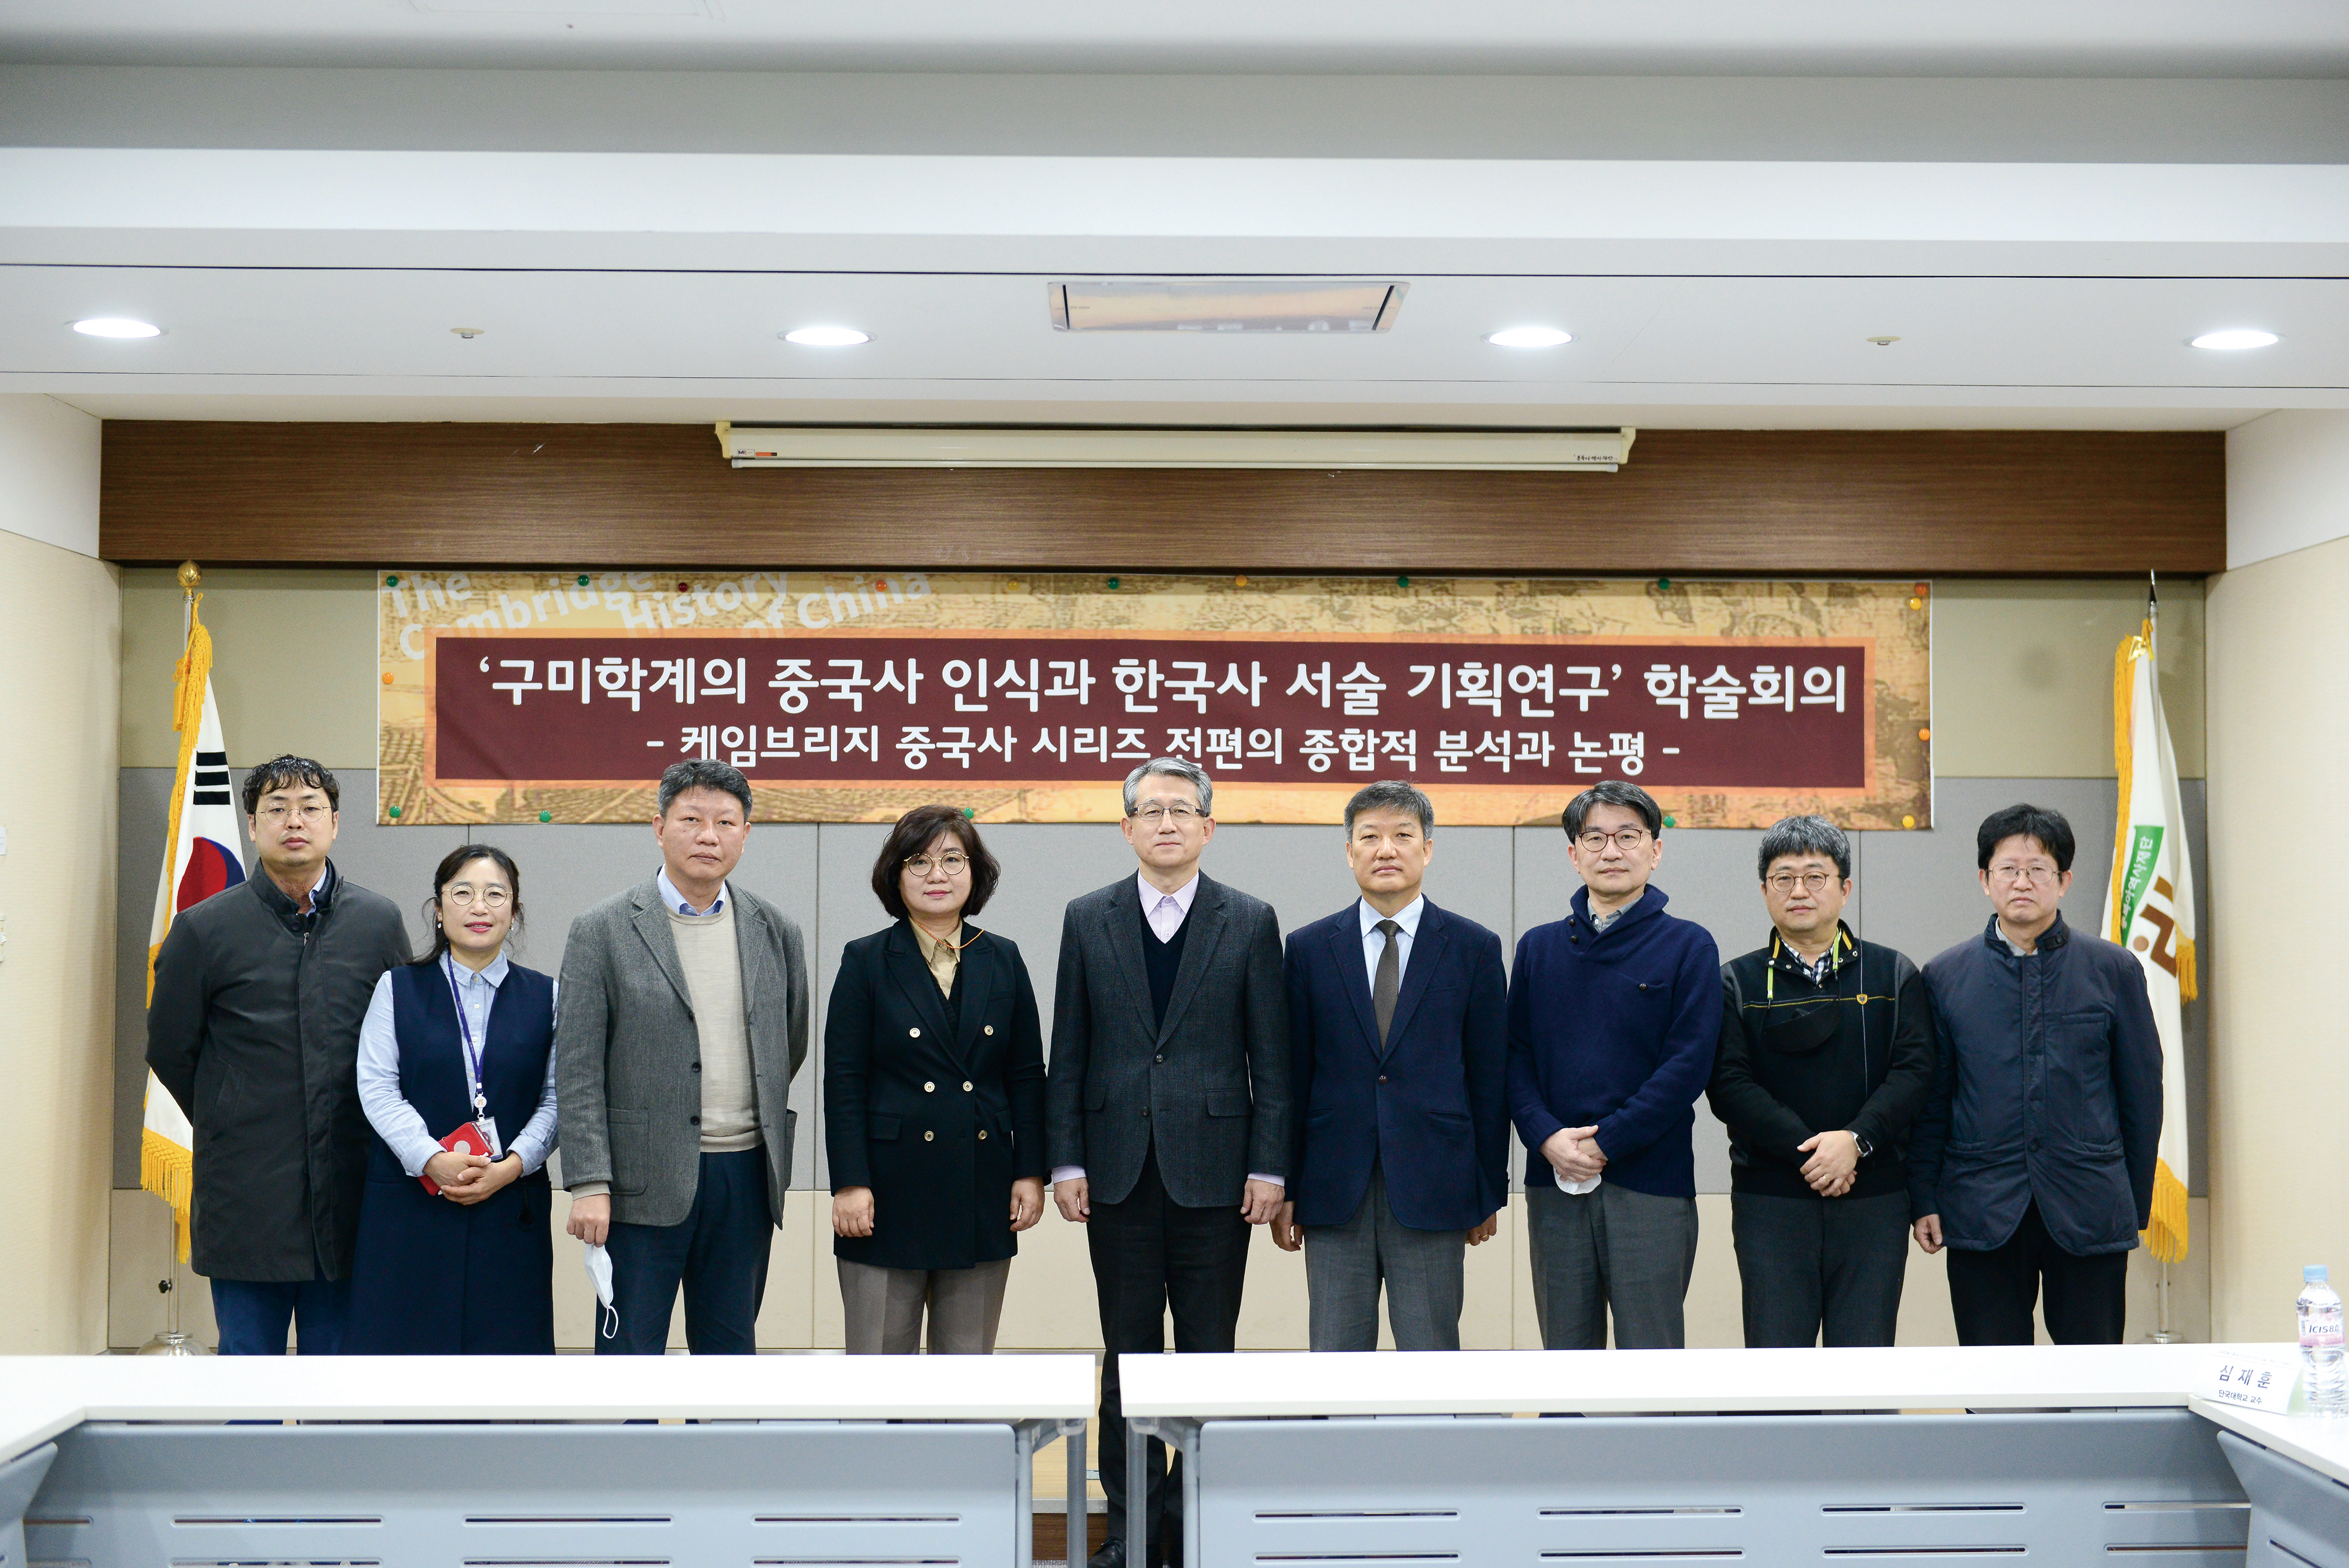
(560, 697)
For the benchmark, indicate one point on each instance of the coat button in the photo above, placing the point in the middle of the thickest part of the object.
(1145, 1110)
(966, 1085)
(696, 1121)
(988, 1030)
(696, 1066)
(929, 1088)
(1382, 1077)
(1160, 1060)
(982, 1134)
(913, 1035)
(929, 1136)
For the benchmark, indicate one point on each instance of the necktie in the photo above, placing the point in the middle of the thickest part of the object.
(1382, 990)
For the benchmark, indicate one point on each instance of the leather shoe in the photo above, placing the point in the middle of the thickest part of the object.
(1111, 1556)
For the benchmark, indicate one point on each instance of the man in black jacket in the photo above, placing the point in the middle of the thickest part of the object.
(2033, 1160)
(254, 1029)
(1826, 1053)
(1166, 1106)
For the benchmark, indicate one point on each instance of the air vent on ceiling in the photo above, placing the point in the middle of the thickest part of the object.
(1339, 306)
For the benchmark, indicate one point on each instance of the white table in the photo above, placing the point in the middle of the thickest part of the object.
(2295, 1469)
(1784, 1454)
(434, 1458)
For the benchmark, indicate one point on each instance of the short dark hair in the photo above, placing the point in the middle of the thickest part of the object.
(283, 773)
(915, 832)
(1805, 835)
(1611, 791)
(2054, 834)
(704, 772)
(456, 860)
(1393, 795)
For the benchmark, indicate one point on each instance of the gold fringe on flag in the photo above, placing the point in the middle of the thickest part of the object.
(2124, 761)
(169, 1171)
(2165, 1237)
(194, 669)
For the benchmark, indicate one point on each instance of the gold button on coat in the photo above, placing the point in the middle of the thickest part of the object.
(966, 1085)
(982, 1134)
(913, 1035)
(990, 1029)
(929, 1088)
(928, 1136)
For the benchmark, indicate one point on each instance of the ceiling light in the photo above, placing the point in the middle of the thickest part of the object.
(116, 327)
(2235, 338)
(1529, 337)
(827, 336)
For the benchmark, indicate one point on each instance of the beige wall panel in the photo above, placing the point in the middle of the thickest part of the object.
(2022, 675)
(294, 655)
(2279, 755)
(1488, 1310)
(60, 644)
(139, 1256)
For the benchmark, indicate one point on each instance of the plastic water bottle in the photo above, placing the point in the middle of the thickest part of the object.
(2319, 1343)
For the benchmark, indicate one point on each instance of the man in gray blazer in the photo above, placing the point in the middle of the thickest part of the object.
(684, 1015)
(1167, 1104)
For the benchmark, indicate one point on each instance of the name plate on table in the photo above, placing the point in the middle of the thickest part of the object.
(2251, 1381)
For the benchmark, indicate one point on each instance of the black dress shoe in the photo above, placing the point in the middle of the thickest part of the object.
(1111, 1556)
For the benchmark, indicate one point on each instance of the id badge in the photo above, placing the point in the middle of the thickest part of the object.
(489, 1125)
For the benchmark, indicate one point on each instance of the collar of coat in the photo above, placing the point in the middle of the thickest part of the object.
(2054, 937)
(321, 897)
(1649, 903)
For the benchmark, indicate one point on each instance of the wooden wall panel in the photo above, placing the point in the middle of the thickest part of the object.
(1928, 503)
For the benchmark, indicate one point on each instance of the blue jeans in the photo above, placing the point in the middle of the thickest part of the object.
(253, 1314)
(719, 1254)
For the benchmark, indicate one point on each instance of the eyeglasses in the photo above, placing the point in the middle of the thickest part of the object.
(490, 897)
(1180, 815)
(2037, 876)
(277, 815)
(1782, 883)
(954, 862)
(1626, 840)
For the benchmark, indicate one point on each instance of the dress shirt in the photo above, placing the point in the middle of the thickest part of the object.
(943, 958)
(1165, 912)
(394, 1119)
(676, 901)
(1815, 969)
(1375, 941)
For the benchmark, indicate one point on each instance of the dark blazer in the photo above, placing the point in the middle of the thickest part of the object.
(937, 1106)
(2048, 1090)
(1209, 1086)
(1432, 1108)
(627, 1056)
(254, 1030)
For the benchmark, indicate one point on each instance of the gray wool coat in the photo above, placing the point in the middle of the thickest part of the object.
(627, 1055)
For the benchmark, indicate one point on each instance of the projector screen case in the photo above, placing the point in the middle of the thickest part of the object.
(836, 446)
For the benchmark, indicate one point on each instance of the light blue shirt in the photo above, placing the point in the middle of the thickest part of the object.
(676, 901)
(396, 1121)
(1375, 941)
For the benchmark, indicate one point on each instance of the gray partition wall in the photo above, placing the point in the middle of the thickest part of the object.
(1917, 891)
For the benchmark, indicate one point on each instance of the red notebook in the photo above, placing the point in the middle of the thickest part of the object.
(466, 1139)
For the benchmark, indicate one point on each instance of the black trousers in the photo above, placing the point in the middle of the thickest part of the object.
(1991, 1293)
(1150, 1255)
(1820, 1271)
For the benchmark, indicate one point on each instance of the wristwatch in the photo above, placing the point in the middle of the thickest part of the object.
(1861, 1144)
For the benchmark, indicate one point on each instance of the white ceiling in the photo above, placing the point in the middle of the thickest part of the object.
(1996, 38)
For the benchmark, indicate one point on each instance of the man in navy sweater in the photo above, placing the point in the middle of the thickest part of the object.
(1614, 1013)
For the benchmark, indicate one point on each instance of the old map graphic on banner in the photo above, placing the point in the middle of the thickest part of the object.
(560, 697)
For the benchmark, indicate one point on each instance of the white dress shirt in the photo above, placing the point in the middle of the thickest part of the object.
(394, 1119)
(1375, 941)
(1165, 912)
(676, 902)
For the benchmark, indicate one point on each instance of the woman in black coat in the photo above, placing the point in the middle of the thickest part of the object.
(934, 1101)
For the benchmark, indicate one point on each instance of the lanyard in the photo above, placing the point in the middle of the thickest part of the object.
(465, 1032)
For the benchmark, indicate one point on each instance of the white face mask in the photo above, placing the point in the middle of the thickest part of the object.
(599, 1273)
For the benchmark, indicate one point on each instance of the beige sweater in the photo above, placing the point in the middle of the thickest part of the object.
(713, 977)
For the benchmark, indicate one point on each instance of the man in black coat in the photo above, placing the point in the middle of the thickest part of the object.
(2032, 1161)
(253, 1027)
(1167, 1104)
(1826, 1053)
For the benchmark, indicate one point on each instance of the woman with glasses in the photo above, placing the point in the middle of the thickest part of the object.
(455, 1257)
(934, 1101)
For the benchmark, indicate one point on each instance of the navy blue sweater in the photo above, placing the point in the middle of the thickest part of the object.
(1615, 1029)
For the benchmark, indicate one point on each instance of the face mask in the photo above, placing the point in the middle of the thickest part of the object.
(599, 1273)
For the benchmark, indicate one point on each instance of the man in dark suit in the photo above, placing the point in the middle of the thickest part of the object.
(1167, 1104)
(1399, 1048)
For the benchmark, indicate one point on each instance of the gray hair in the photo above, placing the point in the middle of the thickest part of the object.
(1805, 835)
(1181, 768)
(704, 772)
(1393, 795)
(1611, 791)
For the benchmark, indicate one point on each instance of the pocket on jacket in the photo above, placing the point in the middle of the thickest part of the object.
(1228, 1103)
(624, 1135)
(881, 1129)
(1096, 1097)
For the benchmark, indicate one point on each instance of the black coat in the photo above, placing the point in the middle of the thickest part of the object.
(254, 1029)
(2048, 1090)
(1208, 1085)
(938, 1108)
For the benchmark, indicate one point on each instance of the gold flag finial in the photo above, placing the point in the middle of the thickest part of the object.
(190, 576)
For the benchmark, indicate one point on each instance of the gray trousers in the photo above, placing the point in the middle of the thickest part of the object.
(1611, 1250)
(1422, 1270)
(1820, 1266)
(883, 1308)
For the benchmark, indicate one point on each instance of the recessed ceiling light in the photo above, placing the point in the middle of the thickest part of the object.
(2235, 338)
(116, 327)
(827, 336)
(1529, 337)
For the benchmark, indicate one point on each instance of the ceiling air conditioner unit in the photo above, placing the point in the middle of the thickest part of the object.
(848, 446)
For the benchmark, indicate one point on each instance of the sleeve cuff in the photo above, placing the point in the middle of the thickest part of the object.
(1279, 1181)
(591, 1190)
(1067, 1173)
